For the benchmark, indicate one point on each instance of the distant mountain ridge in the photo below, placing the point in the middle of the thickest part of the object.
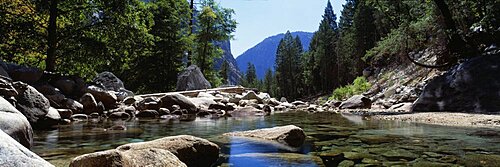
(263, 55)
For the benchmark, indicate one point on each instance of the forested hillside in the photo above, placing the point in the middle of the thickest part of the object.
(143, 42)
(263, 55)
(371, 35)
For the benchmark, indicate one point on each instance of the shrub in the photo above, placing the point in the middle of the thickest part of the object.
(359, 86)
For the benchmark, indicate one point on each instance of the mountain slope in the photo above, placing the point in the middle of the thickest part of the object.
(263, 55)
(234, 73)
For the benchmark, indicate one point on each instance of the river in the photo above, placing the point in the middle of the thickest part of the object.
(332, 140)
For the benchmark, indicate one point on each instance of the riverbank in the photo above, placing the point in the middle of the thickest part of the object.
(446, 118)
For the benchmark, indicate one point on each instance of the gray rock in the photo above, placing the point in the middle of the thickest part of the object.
(6, 88)
(131, 100)
(128, 158)
(79, 117)
(182, 101)
(472, 86)
(108, 98)
(65, 113)
(192, 79)
(251, 95)
(32, 104)
(202, 102)
(89, 103)
(290, 135)
(193, 151)
(148, 114)
(13, 154)
(15, 124)
(53, 117)
(119, 115)
(65, 84)
(109, 81)
(247, 111)
(71, 104)
(25, 74)
(356, 102)
(283, 99)
(149, 103)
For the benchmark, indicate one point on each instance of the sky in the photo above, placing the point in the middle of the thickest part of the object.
(259, 19)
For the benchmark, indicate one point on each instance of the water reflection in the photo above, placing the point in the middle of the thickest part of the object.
(328, 135)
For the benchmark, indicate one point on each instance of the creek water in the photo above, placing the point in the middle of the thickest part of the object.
(332, 140)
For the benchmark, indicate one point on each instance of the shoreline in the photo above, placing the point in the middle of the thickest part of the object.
(474, 120)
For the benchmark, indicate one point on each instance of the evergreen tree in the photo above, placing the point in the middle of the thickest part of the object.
(323, 50)
(268, 82)
(288, 69)
(164, 60)
(346, 49)
(251, 76)
(224, 72)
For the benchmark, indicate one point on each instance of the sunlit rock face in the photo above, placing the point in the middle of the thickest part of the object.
(473, 86)
(234, 74)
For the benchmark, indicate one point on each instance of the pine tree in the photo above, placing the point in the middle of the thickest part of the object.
(323, 50)
(347, 45)
(268, 82)
(224, 72)
(251, 76)
(288, 66)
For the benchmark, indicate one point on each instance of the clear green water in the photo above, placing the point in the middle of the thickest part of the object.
(332, 140)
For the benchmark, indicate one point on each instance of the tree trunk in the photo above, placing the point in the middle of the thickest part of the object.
(50, 61)
(457, 44)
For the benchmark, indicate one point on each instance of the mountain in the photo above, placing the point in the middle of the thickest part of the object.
(263, 55)
(234, 74)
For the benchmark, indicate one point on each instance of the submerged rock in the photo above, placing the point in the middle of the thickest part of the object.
(127, 158)
(290, 135)
(13, 154)
(192, 151)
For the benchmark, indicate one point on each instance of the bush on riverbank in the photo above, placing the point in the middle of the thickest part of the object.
(359, 86)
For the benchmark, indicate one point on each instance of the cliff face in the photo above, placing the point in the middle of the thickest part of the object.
(234, 72)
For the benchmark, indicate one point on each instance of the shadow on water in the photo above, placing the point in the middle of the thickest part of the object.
(331, 139)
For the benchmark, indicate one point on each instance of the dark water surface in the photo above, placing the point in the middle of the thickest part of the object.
(333, 140)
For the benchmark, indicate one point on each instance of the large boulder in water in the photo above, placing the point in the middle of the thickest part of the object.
(168, 101)
(356, 102)
(192, 151)
(15, 124)
(109, 81)
(290, 135)
(472, 86)
(13, 154)
(33, 105)
(129, 158)
(108, 98)
(192, 79)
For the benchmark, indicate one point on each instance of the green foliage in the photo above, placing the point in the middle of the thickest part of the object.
(359, 86)
(215, 23)
(288, 67)
(224, 72)
(322, 67)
